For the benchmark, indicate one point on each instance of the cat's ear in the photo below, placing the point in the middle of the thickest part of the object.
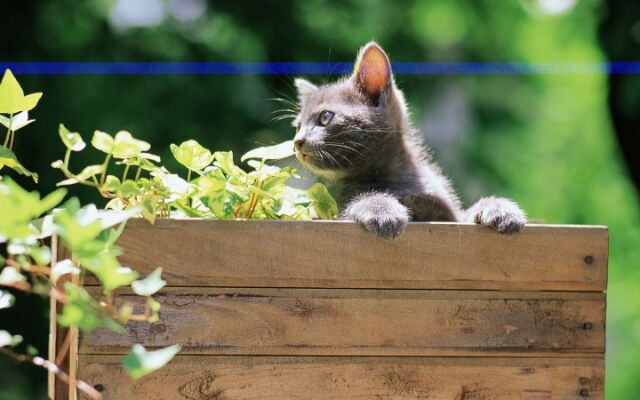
(305, 88)
(372, 71)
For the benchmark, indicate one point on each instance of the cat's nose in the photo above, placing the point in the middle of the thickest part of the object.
(299, 143)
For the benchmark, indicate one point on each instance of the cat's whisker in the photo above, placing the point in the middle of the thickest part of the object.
(282, 117)
(348, 149)
(288, 102)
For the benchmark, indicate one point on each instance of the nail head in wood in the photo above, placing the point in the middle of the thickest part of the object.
(587, 326)
(584, 392)
(99, 387)
(588, 259)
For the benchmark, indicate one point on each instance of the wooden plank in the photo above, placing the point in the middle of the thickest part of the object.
(277, 378)
(366, 322)
(342, 255)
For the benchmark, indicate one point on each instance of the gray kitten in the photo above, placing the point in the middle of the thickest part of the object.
(356, 133)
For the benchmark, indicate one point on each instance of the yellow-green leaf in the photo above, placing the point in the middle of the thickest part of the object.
(9, 159)
(72, 140)
(192, 155)
(276, 152)
(126, 146)
(103, 142)
(12, 98)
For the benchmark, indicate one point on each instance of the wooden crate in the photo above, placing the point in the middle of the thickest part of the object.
(324, 310)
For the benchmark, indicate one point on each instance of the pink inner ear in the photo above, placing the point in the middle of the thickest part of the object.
(373, 71)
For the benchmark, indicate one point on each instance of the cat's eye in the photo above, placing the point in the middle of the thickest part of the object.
(325, 118)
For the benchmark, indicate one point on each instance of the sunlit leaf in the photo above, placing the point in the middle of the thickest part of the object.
(64, 267)
(276, 152)
(84, 311)
(76, 226)
(126, 146)
(18, 121)
(72, 140)
(103, 142)
(6, 339)
(140, 362)
(224, 160)
(12, 98)
(9, 159)
(9, 276)
(111, 184)
(112, 218)
(129, 188)
(323, 203)
(6, 299)
(87, 173)
(41, 254)
(192, 155)
(150, 284)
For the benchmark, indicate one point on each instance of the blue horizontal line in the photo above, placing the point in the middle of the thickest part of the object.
(314, 68)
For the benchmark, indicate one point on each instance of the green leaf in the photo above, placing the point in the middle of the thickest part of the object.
(12, 98)
(84, 311)
(192, 155)
(140, 362)
(84, 175)
(129, 188)
(149, 285)
(126, 146)
(77, 226)
(211, 183)
(224, 160)
(276, 152)
(323, 203)
(9, 159)
(72, 140)
(41, 254)
(111, 184)
(108, 270)
(103, 142)
(25, 207)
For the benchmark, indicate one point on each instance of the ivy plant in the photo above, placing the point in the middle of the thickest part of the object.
(89, 234)
(213, 186)
(134, 183)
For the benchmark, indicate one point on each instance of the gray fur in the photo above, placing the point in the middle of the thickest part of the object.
(375, 157)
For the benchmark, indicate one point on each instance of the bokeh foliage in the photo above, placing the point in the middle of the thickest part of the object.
(545, 140)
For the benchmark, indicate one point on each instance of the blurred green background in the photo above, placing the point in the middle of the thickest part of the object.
(546, 140)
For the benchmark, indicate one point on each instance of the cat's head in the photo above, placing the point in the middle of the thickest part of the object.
(344, 128)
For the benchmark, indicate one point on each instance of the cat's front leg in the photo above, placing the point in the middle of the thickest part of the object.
(499, 213)
(380, 213)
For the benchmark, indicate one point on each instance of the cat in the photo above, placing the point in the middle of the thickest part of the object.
(356, 134)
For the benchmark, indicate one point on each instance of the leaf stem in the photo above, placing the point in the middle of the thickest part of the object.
(13, 135)
(51, 367)
(125, 173)
(189, 175)
(6, 138)
(67, 156)
(105, 164)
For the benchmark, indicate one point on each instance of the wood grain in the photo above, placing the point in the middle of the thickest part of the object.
(365, 322)
(342, 255)
(324, 310)
(280, 378)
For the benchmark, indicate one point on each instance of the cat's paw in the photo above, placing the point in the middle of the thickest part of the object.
(381, 214)
(501, 214)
